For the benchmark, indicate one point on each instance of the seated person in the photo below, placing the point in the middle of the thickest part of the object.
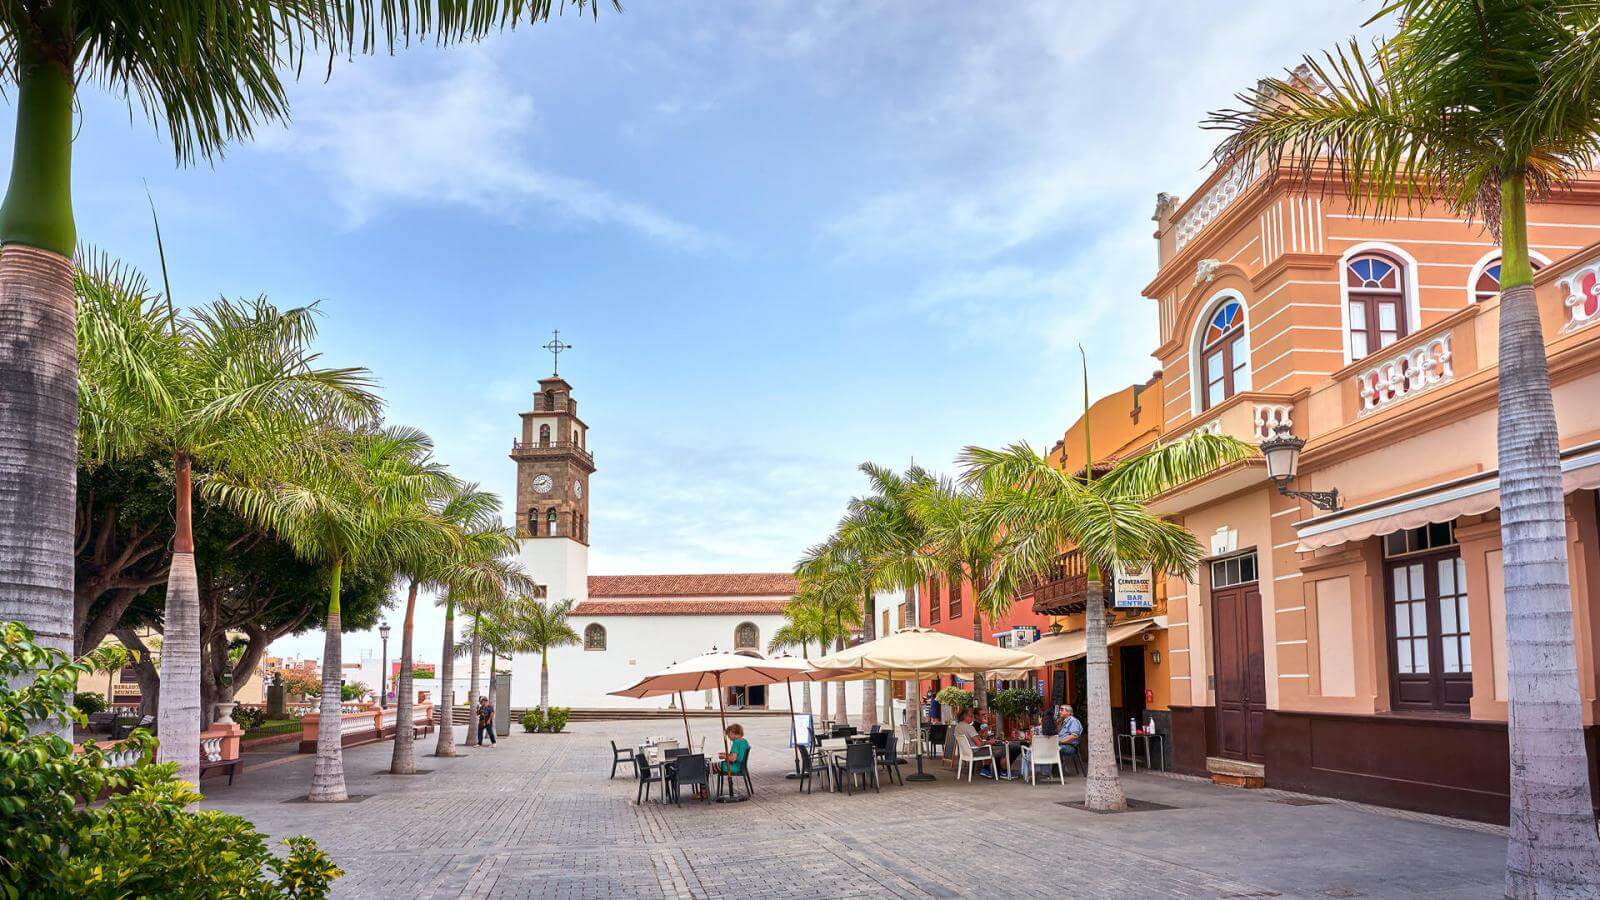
(738, 751)
(1070, 735)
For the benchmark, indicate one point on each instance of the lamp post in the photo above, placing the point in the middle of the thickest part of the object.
(383, 666)
(1282, 452)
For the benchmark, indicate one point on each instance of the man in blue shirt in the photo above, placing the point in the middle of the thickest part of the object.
(1071, 736)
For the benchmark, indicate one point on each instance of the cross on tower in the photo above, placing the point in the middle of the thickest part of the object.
(556, 347)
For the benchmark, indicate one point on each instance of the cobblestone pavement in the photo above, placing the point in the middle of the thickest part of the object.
(536, 816)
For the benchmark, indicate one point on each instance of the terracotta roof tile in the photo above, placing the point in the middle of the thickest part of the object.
(647, 607)
(747, 584)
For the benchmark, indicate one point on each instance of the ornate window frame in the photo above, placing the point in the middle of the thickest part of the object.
(590, 633)
(1408, 283)
(739, 629)
(1197, 341)
(1483, 263)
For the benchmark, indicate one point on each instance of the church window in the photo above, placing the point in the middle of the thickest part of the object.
(1224, 354)
(594, 637)
(552, 519)
(747, 637)
(533, 522)
(544, 435)
(1376, 289)
(1487, 286)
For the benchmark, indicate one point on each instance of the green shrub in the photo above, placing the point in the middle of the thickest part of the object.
(352, 691)
(90, 702)
(955, 698)
(557, 720)
(1015, 702)
(249, 717)
(533, 720)
(141, 842)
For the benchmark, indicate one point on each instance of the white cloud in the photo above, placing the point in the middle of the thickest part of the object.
(459, 138)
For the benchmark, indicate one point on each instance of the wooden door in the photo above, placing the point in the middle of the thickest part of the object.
(1241, 672)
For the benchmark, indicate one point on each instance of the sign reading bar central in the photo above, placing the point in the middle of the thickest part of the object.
(1134, 588)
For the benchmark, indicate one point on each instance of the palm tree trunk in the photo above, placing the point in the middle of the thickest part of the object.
(869, 688)
(38, 349)
(822, 690)
(1103, 790)
(805, 654)
(1553, 849)
(472, 687)
(327, 779)
(843, 716)
(447, 683)
(544, 680)
(404, 761)
(178, 721)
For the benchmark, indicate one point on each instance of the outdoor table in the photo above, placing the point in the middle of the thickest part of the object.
(1133, 749)
(1005, 756)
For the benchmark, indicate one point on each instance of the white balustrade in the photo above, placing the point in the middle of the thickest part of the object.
(210, 749)
(1212, 427)
(1212, 204)
(354, 724)
(1419, 368)
(1268, 416)
(1582, 300)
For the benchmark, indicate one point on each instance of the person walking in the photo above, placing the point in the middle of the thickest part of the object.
(485, 720)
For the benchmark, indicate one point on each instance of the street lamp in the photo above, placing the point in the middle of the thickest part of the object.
(1282, 452)
(383, 670)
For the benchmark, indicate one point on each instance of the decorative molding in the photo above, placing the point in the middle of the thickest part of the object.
(1215, 201)
(1582, 300)
(1268, 416)
(1205, 271)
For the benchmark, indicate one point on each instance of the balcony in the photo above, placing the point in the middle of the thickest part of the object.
(1249, 416)
(1064, 589)
(537, 449)
(1211, 204)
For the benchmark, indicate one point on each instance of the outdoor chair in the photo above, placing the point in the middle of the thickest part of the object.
(647, 777)
(859, 762)
(731, 779)
(845, 731)
(672, 753)
(662, 746)
(934, 736)
(878, 739)
(620, 755)
(889, 759)
(691, 770)
(970, 756)
(810, 765)
(1044, 750)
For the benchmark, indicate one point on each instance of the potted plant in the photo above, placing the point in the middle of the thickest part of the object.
(955, 699)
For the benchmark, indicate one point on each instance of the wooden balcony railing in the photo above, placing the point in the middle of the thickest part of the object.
(539, 448)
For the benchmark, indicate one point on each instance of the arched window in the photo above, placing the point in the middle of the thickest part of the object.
(544, 435)
(533, 522)
(552, 522)
(594, 637)
(747, 637)
(1376, 288)
(1224, 354)
(1487, 285)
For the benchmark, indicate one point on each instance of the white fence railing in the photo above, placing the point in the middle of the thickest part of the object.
(1419, 368)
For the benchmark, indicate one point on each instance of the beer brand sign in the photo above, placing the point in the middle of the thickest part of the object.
(1134, 588)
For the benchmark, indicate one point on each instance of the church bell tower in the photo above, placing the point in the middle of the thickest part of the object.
(553, 469)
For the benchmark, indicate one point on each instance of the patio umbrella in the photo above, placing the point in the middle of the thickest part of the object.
(717, 670)
(914, 652)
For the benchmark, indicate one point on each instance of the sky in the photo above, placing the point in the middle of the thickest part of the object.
(782, 237)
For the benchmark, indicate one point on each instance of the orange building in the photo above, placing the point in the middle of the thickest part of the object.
(1360, 652)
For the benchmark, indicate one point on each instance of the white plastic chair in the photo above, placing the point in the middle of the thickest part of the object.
(1046, 751)
(967, 753)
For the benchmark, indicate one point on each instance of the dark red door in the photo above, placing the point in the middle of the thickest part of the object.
(1241, 672)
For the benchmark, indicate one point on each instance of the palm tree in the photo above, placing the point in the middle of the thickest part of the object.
(896, 540)
(966, 546)
(213, 388)
(482, 574)
(1042, 510)
(1478, 105)
(350, 498)
(540, 626)
(835, 573)
(208, 72)
(463, 511)
(806, 622)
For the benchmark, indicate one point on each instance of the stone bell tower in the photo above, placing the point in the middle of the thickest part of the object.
(553, 469)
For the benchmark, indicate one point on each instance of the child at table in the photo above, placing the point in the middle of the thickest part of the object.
(738, 751)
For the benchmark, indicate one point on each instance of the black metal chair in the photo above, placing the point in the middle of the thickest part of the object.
(675, 752)
(845, 731)
(1075, 754)
(619, 756)
(878, 739)
(647, 777)
(859, 762)
(810, 765)
(889, 759)
(743, 763)
(691, 769)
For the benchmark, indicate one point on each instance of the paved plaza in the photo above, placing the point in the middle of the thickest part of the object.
(537, 817)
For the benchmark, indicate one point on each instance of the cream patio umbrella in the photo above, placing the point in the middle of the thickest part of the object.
(914, 652)
(717, 670)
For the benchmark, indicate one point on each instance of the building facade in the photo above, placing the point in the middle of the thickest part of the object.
(1359, 652)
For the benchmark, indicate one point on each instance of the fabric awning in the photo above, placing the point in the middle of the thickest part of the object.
(913, 652)
(1070, 645)
(1469, 496)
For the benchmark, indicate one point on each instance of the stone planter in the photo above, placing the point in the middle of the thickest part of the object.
(225, 712)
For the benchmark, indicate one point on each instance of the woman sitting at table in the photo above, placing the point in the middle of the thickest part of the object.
(738, 751)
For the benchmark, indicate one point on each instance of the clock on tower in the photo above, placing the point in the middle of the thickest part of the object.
(553, 466)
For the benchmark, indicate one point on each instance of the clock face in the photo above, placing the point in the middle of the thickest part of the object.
(543, 484)
(577, 488)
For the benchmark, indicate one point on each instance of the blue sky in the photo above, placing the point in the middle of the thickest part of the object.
(784, 237)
